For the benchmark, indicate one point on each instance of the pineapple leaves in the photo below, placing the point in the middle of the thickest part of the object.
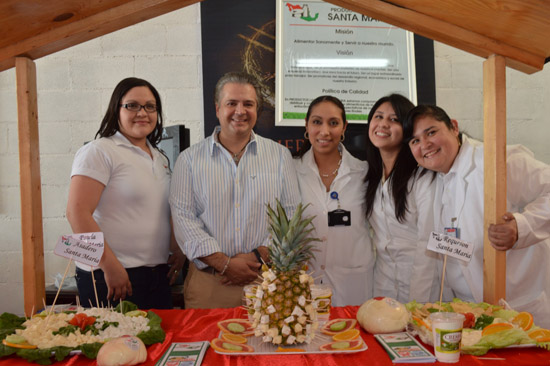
(291, 244)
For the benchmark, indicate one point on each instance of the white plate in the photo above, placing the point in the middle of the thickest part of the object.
(261, 348)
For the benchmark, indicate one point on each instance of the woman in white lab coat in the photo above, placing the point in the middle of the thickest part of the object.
(331, 181)
(436, 144)
(399, 200)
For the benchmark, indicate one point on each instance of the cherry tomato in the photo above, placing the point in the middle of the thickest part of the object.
(81, 320)
(469, 320)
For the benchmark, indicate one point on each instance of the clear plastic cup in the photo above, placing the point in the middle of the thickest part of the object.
(447, 332)
(322, 297)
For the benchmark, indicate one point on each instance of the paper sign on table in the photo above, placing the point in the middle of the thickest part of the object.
(404, 348)
(184, 354)
(450, 246)
(86, 248)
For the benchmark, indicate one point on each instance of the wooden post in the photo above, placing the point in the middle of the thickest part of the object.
(31, 190)
(494, 115)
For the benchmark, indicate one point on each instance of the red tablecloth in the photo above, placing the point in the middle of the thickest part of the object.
(200, 324)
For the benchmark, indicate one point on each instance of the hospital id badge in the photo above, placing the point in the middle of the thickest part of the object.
(452, 231)
(339, 218)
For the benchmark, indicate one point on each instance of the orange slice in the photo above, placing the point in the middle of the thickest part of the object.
(235, 338)
(495, 328)
(18, 345)
(540, 335)
(347, 335)
(524, 320)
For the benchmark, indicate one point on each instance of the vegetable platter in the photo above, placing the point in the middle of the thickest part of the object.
(485, 326)
(45, 337)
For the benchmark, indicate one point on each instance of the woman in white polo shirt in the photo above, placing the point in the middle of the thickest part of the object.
(119, 185)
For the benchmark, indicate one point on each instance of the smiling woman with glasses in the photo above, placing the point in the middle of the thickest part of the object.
(119, 185)
(136, 107)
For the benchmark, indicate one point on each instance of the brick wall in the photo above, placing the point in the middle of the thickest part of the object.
(74, 87)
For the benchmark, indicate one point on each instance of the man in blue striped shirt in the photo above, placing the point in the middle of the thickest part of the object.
(218, 196)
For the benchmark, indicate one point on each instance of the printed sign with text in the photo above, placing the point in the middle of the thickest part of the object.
(86, 248)
(451, 246)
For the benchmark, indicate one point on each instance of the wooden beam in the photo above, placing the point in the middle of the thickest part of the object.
(494, 131)
(61, 36)
(32, 236)
(444, 32)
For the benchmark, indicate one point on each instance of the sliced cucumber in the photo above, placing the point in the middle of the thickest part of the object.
(231, 347)
(16, 339)
(340, 345)
(235, 327)
(338, 326)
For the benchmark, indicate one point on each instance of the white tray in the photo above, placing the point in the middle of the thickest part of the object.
(261, 348)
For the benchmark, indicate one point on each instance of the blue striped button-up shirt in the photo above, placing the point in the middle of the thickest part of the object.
(218, 206)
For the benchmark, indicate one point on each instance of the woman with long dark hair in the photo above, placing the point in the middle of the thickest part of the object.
(399, 199)
(119, 186)
(331, 181)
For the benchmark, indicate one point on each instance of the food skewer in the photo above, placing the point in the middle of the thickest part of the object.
(442, 281)
(60, 286)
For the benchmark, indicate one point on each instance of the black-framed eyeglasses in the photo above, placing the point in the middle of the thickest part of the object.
(136, 107)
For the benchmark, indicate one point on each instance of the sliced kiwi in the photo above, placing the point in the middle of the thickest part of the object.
(338, 326)
(235, 327)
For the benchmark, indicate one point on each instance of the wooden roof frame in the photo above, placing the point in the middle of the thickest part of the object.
(511, 33)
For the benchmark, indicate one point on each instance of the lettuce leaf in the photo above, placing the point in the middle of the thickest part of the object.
(483, 305)
(9, 323)
(505, 314)
(90, 350)
(501, 339)
(6, 351)
(155, 334)
(413, 305)
(40, 356)
(483, 321)
(126, 307)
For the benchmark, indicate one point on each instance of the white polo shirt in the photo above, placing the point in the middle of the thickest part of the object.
(133, 210)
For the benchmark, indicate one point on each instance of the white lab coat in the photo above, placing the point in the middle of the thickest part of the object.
(528, 198)
(345, 257)
(405, 270)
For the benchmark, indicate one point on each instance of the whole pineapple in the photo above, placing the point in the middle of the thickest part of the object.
(284, 311)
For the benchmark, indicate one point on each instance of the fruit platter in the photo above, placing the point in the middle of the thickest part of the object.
(485, 326)
(336, 336)
(53, 336)
(282, 309)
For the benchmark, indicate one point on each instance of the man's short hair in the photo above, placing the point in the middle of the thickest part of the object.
(239, 78)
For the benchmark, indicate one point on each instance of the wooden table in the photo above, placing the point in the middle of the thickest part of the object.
(200, 325)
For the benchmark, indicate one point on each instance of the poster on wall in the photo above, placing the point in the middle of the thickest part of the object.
(242, 37)
(326, 49)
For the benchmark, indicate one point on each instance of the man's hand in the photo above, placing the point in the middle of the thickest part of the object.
(176, 262)
(241, 271)
(504, 236)
(118, 282)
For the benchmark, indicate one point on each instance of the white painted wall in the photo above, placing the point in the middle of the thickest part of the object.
(74, 87)
(459, 83)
